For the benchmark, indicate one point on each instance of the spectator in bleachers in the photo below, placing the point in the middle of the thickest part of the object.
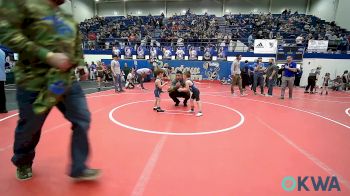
(191, 27)
(299, 40)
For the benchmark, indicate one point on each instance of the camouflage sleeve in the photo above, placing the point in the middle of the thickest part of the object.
(11, 19)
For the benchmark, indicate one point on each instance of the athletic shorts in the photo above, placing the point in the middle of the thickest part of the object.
(195, 95)
(99, 74)
(157, 93)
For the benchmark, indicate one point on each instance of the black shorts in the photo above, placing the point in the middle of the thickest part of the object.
(195, 95)
(100, 74)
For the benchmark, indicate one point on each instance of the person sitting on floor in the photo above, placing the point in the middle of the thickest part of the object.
(130, 80)
(338, 84)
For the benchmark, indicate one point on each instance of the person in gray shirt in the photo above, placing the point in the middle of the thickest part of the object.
(117, 74)
(271, 76)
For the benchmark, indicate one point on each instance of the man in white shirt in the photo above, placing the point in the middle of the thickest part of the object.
(117, 74)
(142, 74)
(180, 54)
(299, 40)
(167, 53)
(236, 75)
(193, 54)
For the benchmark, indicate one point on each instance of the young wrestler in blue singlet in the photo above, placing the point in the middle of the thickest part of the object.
(158, 89)
(190, 87)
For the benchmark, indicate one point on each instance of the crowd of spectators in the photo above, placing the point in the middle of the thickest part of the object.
(288, 28)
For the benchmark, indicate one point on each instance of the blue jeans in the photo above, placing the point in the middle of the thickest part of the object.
(27, 135)
(118, 82)
(258, 78)
(271, 84)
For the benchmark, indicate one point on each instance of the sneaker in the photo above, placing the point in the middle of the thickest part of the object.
(190, 111)
(255, 93)
(199, 114)
(160, 110)
(282, 98)
(155, 108)
(262, 94)
(24, 173)
(268, 95)
(306, 92)
(88, 175)
(177, 104)
(185, 104)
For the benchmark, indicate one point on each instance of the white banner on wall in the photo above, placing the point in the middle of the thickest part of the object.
(265, 46)
(318, 46)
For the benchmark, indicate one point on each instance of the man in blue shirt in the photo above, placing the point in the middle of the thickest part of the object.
(259, 76)
(288, 77)
(2, 82)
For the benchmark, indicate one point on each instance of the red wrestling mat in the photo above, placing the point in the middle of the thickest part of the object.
(241, 146)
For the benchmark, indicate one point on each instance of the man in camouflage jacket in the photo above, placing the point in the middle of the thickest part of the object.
(49, 48)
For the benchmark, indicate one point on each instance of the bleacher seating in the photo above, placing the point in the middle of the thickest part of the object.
(203, 30)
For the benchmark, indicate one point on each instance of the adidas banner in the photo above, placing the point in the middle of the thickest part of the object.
(265, 46)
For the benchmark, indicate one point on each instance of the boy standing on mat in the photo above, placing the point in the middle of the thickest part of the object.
(190, 87)
(325, 83)
(47, 41)
(158, 89)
